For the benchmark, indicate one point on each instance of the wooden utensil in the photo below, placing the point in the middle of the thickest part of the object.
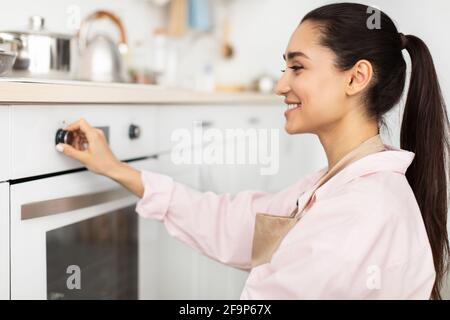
(227, 48)
(177, 18)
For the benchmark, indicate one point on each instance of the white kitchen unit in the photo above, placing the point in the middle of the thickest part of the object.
(65, 222)
(297, 155)
(4, 241)
(197, 277)
(200, 277)
(63, 217)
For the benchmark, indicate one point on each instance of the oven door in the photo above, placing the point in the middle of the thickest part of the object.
(74, 236)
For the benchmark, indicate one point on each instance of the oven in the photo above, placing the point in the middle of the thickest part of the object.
(75, 234)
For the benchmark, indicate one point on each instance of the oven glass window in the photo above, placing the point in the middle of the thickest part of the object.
(95, 258)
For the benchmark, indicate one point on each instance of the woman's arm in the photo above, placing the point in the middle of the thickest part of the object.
(219, 226)
(98, 157)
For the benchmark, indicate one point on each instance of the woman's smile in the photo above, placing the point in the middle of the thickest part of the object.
(291, 106)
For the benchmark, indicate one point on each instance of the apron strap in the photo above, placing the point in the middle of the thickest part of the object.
(370, 146)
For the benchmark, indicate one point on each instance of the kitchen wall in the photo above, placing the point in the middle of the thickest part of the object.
(261, 31)
(139, 16)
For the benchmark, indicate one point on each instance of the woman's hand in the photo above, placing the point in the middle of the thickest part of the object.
(89, 146)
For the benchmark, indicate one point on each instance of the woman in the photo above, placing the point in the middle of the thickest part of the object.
(372, 225)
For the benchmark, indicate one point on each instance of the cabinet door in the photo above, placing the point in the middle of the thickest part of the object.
(282, 159)
(251, 147)
(170, 265)
(173, 269)
(297, 154)
(172, 118)
(4, 241)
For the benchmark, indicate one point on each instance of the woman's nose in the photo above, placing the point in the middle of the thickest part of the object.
(282, 87)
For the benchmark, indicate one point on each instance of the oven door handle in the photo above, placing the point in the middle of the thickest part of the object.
(51, 207)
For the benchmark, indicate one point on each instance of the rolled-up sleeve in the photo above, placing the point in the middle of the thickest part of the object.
(219, 226)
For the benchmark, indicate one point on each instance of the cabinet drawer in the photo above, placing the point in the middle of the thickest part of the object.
(222, 117)
(173, 118)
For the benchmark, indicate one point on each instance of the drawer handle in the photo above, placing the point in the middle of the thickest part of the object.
(206, 124)
(254, 120)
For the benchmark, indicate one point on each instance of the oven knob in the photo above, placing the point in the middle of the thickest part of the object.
(134, 131)
(63, 136)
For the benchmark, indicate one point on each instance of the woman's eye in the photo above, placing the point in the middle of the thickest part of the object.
(295, 68)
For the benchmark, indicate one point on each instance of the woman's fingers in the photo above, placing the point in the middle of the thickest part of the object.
(90, 147)
(71, 152)
(81, 125)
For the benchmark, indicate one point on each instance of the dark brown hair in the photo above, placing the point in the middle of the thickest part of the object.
(425, 127)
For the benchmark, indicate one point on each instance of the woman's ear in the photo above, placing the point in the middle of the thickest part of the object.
(359, 77)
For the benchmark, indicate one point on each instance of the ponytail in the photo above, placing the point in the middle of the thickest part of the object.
(425, 131)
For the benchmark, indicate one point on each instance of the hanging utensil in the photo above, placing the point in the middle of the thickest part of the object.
(227, 48)
(177, 18)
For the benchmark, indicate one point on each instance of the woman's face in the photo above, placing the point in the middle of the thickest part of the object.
(312, 80)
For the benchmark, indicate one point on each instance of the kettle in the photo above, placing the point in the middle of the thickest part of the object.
(101, 58)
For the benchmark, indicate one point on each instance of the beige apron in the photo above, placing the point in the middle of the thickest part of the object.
(271, 229)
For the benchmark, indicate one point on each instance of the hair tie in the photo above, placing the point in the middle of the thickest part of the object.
(403, 40)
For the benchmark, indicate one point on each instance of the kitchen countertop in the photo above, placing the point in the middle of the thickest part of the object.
(21, 90)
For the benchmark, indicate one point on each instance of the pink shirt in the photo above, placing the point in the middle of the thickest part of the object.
(363, 237)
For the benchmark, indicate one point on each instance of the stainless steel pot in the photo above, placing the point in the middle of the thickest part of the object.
(8, 54)
(6, 62)
(41, 53)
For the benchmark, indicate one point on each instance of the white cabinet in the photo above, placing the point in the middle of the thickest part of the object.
(176, 118)
(286, 157)
(232, 123)
(4, 142)
(4, 241)
(178, 271)
(169, 269)
(189, 275)
(185, 273)
(174, 265)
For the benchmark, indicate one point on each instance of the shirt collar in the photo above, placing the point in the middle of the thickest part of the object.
(393, 159)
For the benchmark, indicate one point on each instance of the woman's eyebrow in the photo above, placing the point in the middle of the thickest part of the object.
(291, 55)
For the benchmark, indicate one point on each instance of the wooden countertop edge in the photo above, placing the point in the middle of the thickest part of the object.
(26, 92)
